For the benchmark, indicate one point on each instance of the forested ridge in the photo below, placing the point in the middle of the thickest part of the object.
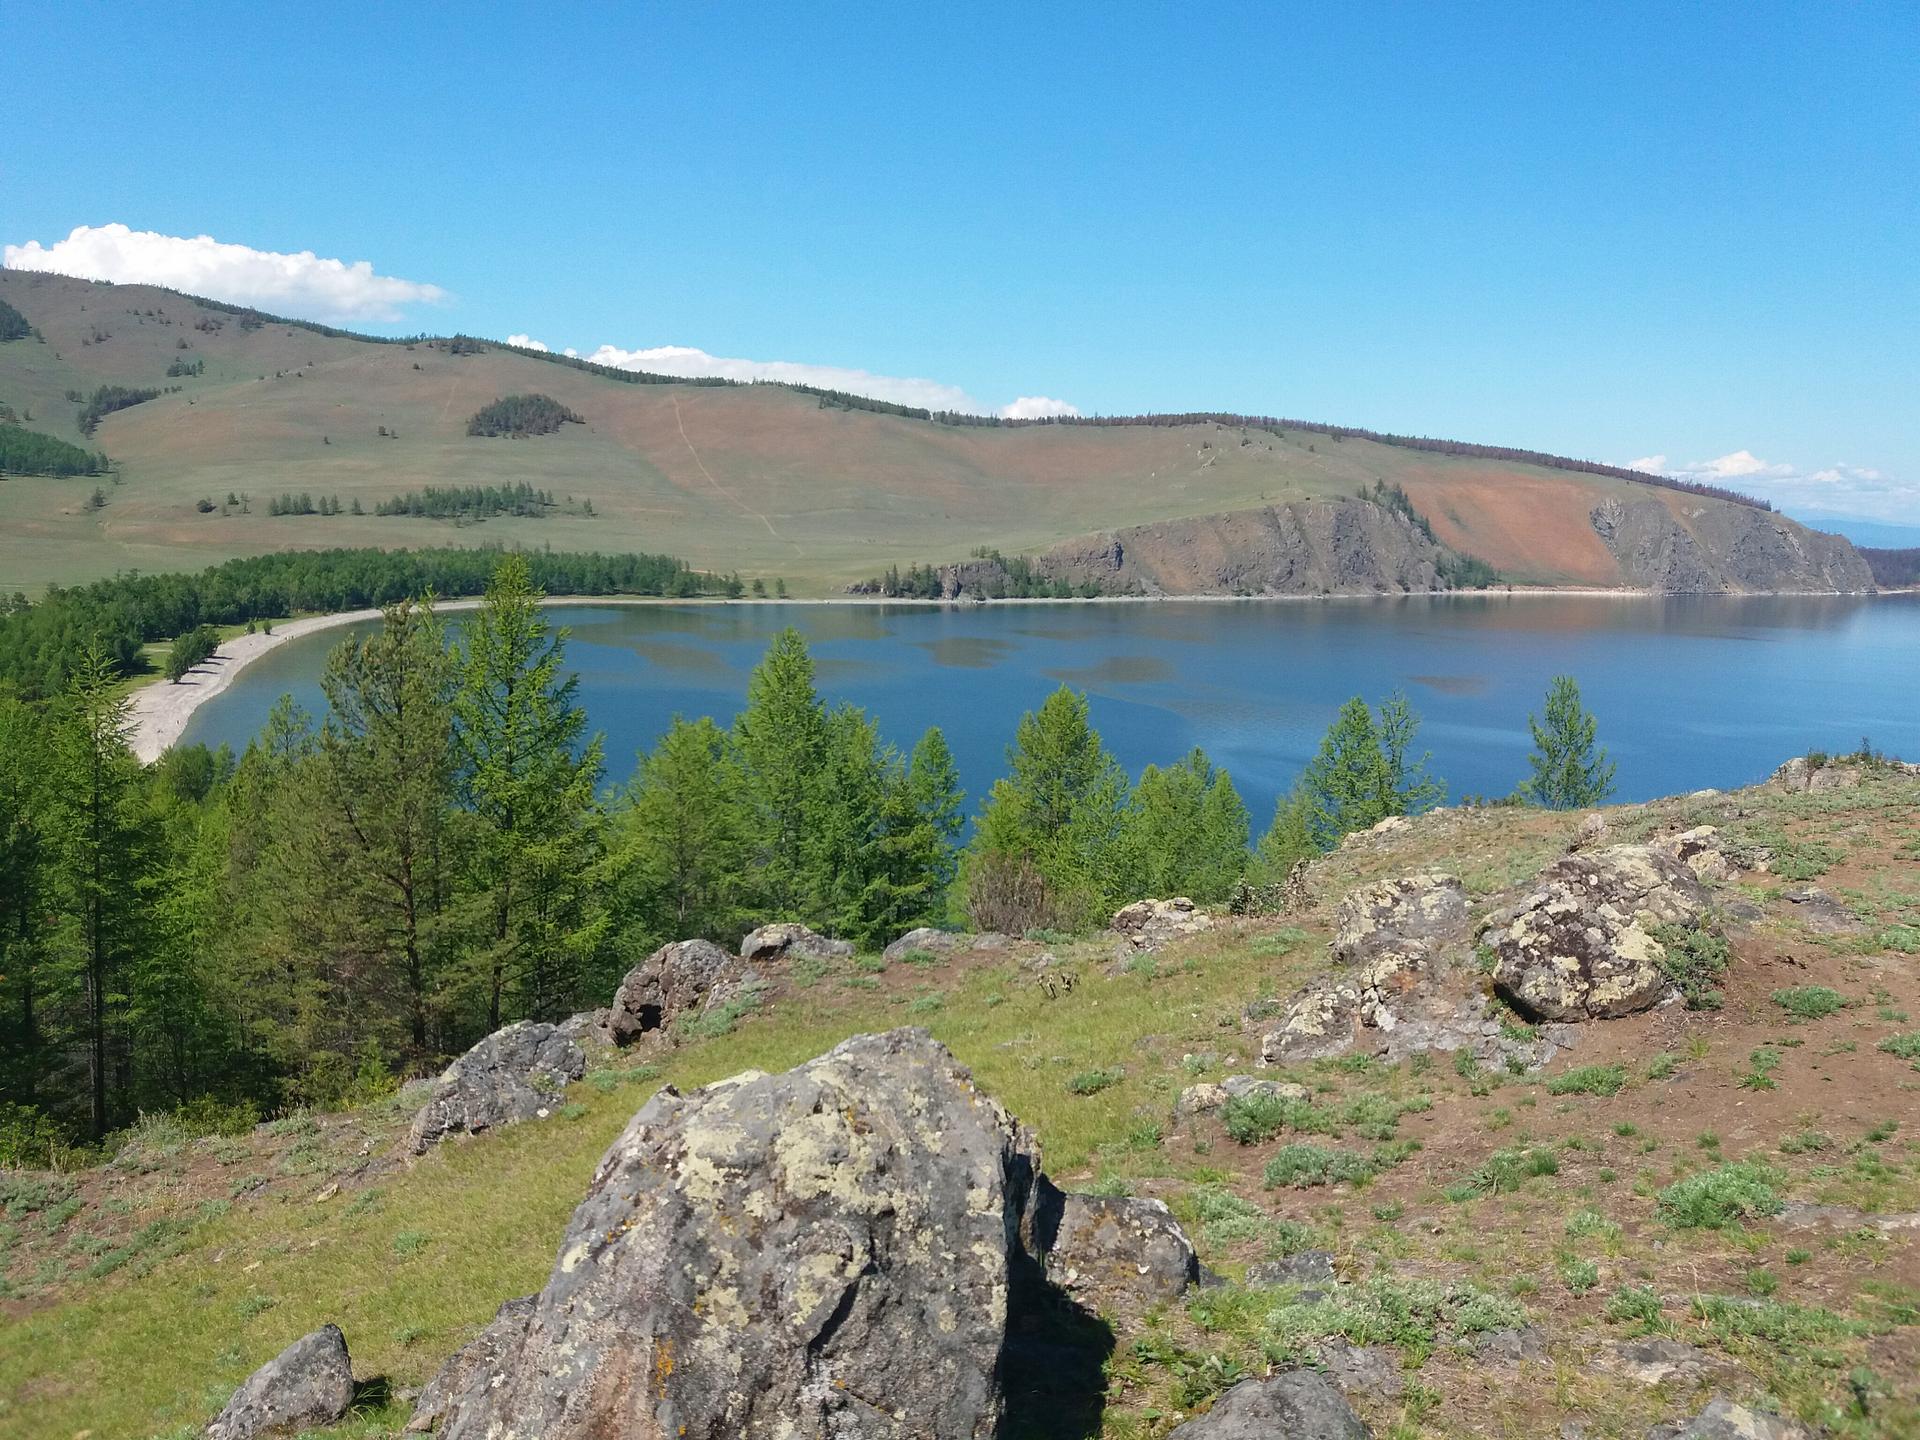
(365, 892)
(42, 641)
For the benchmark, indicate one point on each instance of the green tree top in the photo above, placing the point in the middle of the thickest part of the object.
(1569, 772)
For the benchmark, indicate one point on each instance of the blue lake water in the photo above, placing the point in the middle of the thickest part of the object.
(1689, 691)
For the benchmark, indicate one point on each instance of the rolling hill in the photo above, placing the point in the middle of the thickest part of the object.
(764, 479)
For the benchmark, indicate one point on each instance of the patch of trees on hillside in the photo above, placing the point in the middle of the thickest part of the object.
(13, 325)
(519, 416)
(1893, 569)
(105, 400)
(476, 502)
(28, 452)
(42, 642)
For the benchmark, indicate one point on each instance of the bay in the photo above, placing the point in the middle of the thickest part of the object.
(1690, 691)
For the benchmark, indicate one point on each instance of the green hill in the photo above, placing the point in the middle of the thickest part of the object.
(763, 479)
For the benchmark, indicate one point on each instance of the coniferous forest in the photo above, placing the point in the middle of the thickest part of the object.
(445, 848)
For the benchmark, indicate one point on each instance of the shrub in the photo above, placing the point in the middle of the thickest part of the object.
(1589, 1080)
(1260, 1116)
(1580, 1275)
(1092, 1082)
(1302, 1166)
(29, 1140)
(1809, 1002)
(1715, 1199)
(1696, 960)
(1505, 1172)
(1638, 1304)
(1907, 1046)
(1007, 893)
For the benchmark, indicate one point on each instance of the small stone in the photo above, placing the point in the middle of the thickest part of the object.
(1372, 1371)
(1296, 1405)
(307, 1385)
(1522, 1345)
(1655, 1361)
(1724, 1420)
(1309, 1267)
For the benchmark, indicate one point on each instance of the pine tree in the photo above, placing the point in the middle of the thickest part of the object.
(680, 843)
(23, 856)
(1186, 831)
(861, 781)
(781, 737)
(386, 751)
(1568, 771)
(528, 774)
(100, 836)
(1363, 772)
(1061, 810)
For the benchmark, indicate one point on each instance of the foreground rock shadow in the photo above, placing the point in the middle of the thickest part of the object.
(1053, 1364)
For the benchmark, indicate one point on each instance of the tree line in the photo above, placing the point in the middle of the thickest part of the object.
(29, 452)
(475, 502)
(42, 642)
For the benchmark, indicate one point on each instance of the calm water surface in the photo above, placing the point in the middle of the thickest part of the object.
(1690, 691)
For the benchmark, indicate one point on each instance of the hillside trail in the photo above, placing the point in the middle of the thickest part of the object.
(720, 489)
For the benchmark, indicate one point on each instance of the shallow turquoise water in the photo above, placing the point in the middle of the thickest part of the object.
(1690, 691)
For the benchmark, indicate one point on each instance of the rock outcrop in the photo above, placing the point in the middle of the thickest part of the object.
(1150, 924)
(1581, 946)
(1108, 1251)
(1702, 850)
(1294, 1405)
(474, 1364)
(1407, 919)
(515, 1074)
(925, 940)
(790, 941)
(824, 1252)
(674, 980)
(307, 1385)
(1724, 1420)
(1678, 545)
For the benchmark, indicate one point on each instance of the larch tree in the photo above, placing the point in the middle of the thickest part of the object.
(781, 737)
(528, 773)
(679, 845)
(1569, 770)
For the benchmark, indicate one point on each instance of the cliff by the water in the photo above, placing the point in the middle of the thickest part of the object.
(1694, 549)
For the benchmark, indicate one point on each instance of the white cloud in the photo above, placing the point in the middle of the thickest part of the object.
(698, 364)
(1839, 489)
(303, 284)
(1036, 407)
(526, 342)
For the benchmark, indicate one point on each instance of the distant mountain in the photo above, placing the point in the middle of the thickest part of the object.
(210, 412)
(1862, 532)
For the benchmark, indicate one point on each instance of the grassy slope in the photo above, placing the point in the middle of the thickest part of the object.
(411, 1261)
(761, 480)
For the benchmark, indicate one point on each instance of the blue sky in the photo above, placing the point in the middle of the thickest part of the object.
(1620, 232)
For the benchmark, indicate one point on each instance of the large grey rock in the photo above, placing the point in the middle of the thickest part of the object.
(1820, 912)
(1724, 1420)
(477, 1362)
(1702, 850)
(1308, 1267)
(826, 1252)
(673, 981)
(1107, 1251)
(516, 1073)
(305, 1386)
(1372, 1371)
(1407, 918)
(926, 940)
(1580, 946)
(1150, 924)
(790, 941)
(1295, 1405)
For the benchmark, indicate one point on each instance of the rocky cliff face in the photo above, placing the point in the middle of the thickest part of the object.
(1706, 548)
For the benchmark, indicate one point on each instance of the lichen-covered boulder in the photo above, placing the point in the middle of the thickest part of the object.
(1150, 924)
(1329, 1015)
(925, 940)
(1294, 1405)
(1702, 850)
(477, 1362)
(1110, 1250)
(826, 1252)
(516, 1073)
(790, 941)
(307, 1385)
(1581, 945)
(1409, 918)
(673, 981)
(1820, 912)
(1725, 1420)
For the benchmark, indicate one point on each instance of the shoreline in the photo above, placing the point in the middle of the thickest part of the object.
(159, 710)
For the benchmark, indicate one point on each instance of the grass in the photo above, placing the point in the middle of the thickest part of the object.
(1589, 1080)
(1696, 961)
(1722, 1197)
(1810, 1002)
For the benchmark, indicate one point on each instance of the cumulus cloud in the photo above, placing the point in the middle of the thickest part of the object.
(1838, 489)
(686, 361)
(526, 342)
(302, 284)
(1037, 407)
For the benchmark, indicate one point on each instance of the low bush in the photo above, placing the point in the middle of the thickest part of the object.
(1721, 1197)
(1589, 1080)
(1809, 1002)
